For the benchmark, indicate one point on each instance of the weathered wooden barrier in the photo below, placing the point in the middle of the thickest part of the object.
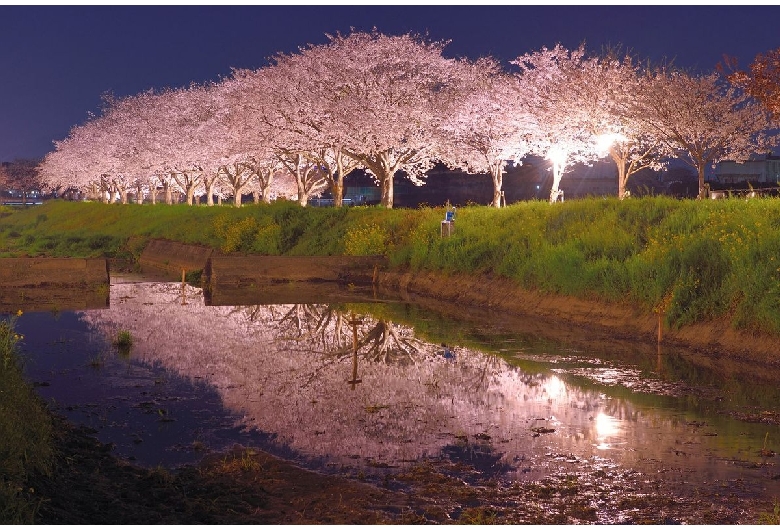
(172, 257)
(52, 284)
(242, 280)
(248, 270)
(52, 272)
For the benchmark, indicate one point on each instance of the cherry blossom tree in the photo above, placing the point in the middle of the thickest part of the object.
(84, 160)
(123, 149)
(490, 126)
(261, 138)
(237, 178)
(703, 119)
(548, 77)
(269, 179)
(607, 89)
(22, 175)
(304, 109)
(60, 169)
(182, 124)
(382, 99)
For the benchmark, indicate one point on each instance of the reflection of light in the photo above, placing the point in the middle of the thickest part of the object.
(554, 387)
(606, 427)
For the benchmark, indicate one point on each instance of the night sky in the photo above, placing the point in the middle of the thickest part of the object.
(57, 61)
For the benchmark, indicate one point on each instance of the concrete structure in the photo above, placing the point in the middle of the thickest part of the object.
(171, 257)
(765, 169)
(52, 284)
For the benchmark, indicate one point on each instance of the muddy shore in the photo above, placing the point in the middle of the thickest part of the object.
(247, 486)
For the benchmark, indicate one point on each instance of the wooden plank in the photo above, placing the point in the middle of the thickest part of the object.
(253, 270)
(37, 272)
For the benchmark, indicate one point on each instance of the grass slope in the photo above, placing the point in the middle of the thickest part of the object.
(694, 260)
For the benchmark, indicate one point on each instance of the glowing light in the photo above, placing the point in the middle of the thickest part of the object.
(557, 155)
(605, 141)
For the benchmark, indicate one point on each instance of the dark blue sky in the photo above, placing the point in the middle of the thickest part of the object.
(56, 61)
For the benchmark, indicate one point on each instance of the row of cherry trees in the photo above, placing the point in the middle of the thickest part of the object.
(395, 103)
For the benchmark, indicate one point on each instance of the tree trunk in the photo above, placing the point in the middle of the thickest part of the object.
(168, 194)
(700, 167)
(498, 181)
(622, 180)
(105, 193)
(386, 184)
(555, 192)
(256, 197)
(337, 190)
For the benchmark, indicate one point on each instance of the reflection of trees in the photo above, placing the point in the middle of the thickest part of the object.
(284, 369)
(383, 342)
(318, 324)
(321, 328)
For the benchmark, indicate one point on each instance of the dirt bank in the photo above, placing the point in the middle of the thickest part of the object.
(247, 486)
(569, 319)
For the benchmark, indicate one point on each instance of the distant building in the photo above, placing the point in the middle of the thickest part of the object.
(765, 169)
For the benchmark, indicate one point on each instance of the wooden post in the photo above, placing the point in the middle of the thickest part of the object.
(354, 323)
(183, 285)
(660, 326)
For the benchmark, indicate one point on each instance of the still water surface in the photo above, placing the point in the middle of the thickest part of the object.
(421, 387)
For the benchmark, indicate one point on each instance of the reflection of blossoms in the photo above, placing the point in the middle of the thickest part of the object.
(286, 370)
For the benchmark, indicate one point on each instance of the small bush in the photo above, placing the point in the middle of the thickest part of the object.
(123, 339)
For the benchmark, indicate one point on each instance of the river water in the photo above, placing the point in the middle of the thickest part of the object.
(363, 389)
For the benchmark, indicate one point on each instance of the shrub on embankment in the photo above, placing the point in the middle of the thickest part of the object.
(693, 260)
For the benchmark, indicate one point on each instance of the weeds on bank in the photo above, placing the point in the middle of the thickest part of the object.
(244, 461)
(25, 445)
(770, 517)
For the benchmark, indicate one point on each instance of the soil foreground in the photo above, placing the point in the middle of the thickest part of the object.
(89, 485)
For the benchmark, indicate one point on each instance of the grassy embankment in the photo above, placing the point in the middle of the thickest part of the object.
(695, 260)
